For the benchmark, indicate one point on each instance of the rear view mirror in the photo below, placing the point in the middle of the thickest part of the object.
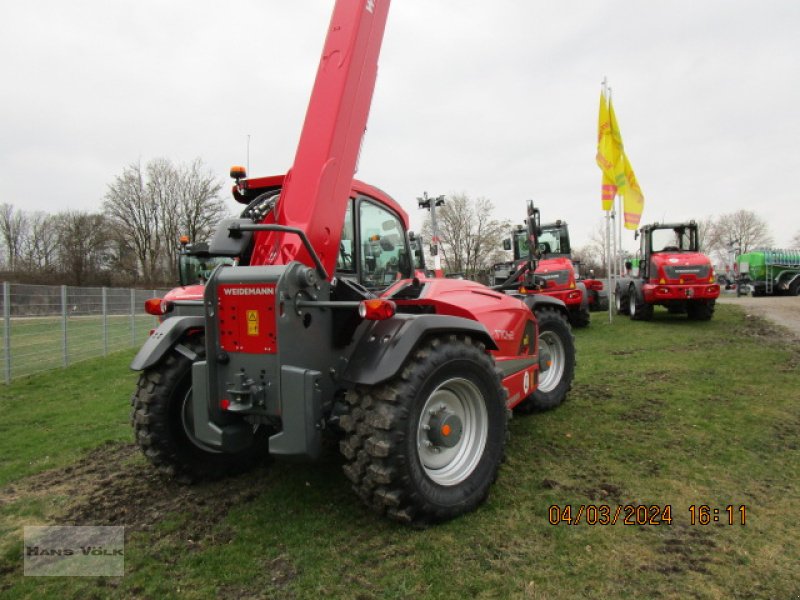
(507, 244)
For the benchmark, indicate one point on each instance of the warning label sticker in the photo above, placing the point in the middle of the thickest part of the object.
(252, 322)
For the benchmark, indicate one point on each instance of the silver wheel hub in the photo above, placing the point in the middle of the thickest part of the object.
(551, 344)
(452, 431)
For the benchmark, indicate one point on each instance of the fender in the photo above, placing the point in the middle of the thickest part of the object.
(164, 338)
(535, 301)
(385, 345)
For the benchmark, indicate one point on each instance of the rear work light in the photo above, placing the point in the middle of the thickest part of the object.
(157, 307)
(377, 309)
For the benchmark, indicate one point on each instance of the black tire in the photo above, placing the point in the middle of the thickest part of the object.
(392, 460)
(759, 291)
(676, 308)
(638, 309)
(602, 302)
(580, 317)
(621, 301)
(161, 421)
(555, 338)
(794, 288)
(700, 310)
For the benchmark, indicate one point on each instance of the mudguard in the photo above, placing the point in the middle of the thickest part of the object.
(385, 345)
(164, 338)
(535, 301)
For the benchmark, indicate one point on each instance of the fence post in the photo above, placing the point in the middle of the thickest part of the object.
(105, 322)
(64, 346)
(133, 317)
(7, 328)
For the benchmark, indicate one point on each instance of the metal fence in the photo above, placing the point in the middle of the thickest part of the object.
(48, 326)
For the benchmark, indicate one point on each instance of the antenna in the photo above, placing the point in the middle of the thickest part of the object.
(248, 153)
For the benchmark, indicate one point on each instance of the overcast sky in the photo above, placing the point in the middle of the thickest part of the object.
(494, 98)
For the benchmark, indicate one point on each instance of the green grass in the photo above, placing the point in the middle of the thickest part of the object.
(665, 412)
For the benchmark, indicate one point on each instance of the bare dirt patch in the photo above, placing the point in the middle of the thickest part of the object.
(113, 485)
(781, 310)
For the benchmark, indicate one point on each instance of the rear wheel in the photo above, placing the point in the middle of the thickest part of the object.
(639, 310)
(676, 308)
(580, 317)
(557, 342)
(426, 446)
(700, 310)
(621, 301)
(794, 288)
(163, 423)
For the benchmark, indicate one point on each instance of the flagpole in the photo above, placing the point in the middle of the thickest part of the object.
(609, 260)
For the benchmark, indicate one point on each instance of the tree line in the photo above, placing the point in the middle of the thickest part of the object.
(132, 242)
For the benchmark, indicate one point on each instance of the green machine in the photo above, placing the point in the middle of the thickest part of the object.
(771, 271)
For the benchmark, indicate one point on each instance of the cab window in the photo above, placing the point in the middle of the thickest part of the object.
(383, 255)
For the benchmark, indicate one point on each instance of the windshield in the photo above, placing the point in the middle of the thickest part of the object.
(674, 239)
(553, 240)
(195, 269)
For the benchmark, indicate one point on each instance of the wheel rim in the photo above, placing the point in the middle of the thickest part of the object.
(551, 344)
(618, 301)
(456, 407)
(187, 421)
(632, 304)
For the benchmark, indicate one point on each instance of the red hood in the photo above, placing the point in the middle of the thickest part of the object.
(683, 267)
(548, 265)
(683, 259)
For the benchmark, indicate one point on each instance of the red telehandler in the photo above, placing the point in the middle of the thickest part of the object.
(319, 327)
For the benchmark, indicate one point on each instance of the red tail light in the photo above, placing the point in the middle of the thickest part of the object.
(157, 307)
(377, 309)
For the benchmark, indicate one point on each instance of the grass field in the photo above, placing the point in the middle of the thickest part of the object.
(669, 412)
(37, 343)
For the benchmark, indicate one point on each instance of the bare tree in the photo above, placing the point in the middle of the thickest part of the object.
(151, 208)
(40, 250)
(594, 251)
(135, 215)
(14, 229)
(470, 238)
(83, 240)
(200, 207)
(742, 229)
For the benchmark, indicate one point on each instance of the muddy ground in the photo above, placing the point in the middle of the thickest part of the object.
(782, 310)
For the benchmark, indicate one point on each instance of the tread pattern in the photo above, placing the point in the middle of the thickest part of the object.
(384, 475)
(156, 421)
(700, 310)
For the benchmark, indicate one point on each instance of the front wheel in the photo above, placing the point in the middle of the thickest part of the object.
(558, 344)
(580, 317)
(425, 446)
(639, 309)
(163, 423)
(700, 310)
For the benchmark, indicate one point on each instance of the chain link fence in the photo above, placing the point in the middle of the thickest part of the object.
(48, 326)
